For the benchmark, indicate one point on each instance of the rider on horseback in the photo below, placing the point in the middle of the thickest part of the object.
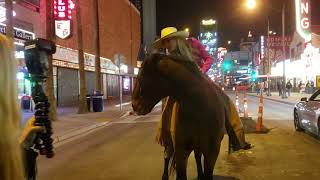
(177, 43)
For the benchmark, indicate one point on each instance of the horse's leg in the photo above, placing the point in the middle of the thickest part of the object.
(168, 153)
(181, 158)
(197, 156)
(209, 162)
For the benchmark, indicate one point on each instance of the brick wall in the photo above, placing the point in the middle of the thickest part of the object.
(115, 29)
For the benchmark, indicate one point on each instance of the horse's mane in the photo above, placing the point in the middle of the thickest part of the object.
(189, 64)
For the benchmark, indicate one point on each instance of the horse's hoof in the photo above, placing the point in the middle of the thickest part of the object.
(165, 177)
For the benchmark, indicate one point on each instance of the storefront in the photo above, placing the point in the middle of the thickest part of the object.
(304, 70)
(66, 76)
(20, 35)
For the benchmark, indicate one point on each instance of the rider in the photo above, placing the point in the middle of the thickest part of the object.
(11, 163)
(177, 43)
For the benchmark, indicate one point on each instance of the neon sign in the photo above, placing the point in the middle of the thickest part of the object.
(62, 17)
(3, 14)
(303, 12)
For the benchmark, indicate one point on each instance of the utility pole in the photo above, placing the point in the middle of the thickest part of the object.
(83, 89)
(284, 94)
(9, 28)
(50, 86)
(96, 39)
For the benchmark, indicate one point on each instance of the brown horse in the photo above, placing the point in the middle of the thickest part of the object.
(202, 114)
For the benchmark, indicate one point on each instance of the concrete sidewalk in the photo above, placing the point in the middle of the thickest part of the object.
(292, 99)
(70, 124)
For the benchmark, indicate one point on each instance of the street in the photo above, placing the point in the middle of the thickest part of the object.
(125, 149)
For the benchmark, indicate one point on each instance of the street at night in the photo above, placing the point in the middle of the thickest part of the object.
(159, 89)
(126, 149)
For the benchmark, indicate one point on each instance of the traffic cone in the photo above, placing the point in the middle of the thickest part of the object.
(245, 105)
(260, 114)
(237, 101)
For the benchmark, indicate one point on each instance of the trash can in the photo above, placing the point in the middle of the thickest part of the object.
(89, 102)
(26, 103)
(97, 102)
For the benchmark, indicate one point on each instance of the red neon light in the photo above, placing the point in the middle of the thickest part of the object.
(62, 9)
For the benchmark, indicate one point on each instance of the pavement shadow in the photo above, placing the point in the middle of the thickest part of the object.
(217, 177)
(249, 126)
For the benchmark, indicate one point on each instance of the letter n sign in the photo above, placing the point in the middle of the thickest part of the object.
(62, 18)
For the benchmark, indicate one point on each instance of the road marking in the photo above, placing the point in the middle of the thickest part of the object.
(123, 104)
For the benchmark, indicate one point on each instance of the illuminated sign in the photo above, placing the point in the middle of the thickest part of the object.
(262, 47)
(3, 14)
(303, 16)
(208, 22)
(62, 17)
(18, 33)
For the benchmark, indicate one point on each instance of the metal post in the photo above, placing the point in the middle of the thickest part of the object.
(120, 83)
(284, 94)
(269, 63)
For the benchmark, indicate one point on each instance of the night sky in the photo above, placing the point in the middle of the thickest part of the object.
(234, 21)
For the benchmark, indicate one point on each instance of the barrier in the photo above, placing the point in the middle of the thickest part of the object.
(245, 105)
(260, 115)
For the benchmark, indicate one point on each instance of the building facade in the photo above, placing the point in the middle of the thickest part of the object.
(120, 36)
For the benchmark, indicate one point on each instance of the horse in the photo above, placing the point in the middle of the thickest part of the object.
(202, 111)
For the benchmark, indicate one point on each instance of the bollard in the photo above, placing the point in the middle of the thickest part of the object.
(260, 115)
(245, 105)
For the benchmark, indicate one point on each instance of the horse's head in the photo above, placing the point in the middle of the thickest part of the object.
(151, 86)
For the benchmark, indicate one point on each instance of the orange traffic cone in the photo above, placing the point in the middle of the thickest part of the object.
(260, 114)
(245, 105)
(237, 101)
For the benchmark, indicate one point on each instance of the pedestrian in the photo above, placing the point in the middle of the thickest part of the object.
(308, 87)
(300, 86)
(258, 87)
(279, 88)
(11, 160)
(312, 86)
(289, 87)
(178, 44)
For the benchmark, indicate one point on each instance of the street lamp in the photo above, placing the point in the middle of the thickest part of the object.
(187, 29)
(251, 5)
(229, 42)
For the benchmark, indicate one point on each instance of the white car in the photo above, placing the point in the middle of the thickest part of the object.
(307, 113)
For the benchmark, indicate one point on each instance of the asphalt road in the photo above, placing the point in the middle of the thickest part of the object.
(126, 150)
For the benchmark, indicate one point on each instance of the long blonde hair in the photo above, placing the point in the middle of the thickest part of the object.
(11, 167)
(184, 49)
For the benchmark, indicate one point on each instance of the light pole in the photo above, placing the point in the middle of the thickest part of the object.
(251, 4)
(284, 94)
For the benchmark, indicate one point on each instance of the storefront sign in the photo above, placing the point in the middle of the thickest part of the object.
(318, 81)
(275, 50)
(18, 33)
(62, 17)
(66, 57)
(303, 19)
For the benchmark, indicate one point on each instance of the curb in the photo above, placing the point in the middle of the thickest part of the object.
(276, 100)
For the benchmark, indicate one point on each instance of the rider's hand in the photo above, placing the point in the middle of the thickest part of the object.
(29, 133)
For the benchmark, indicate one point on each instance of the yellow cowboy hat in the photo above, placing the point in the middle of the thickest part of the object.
(169, 32)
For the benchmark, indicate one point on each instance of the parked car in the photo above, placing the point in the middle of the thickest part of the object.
(307, 114)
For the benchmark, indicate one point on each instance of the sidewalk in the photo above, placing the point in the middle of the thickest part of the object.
(71, 124)
(292, 99)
